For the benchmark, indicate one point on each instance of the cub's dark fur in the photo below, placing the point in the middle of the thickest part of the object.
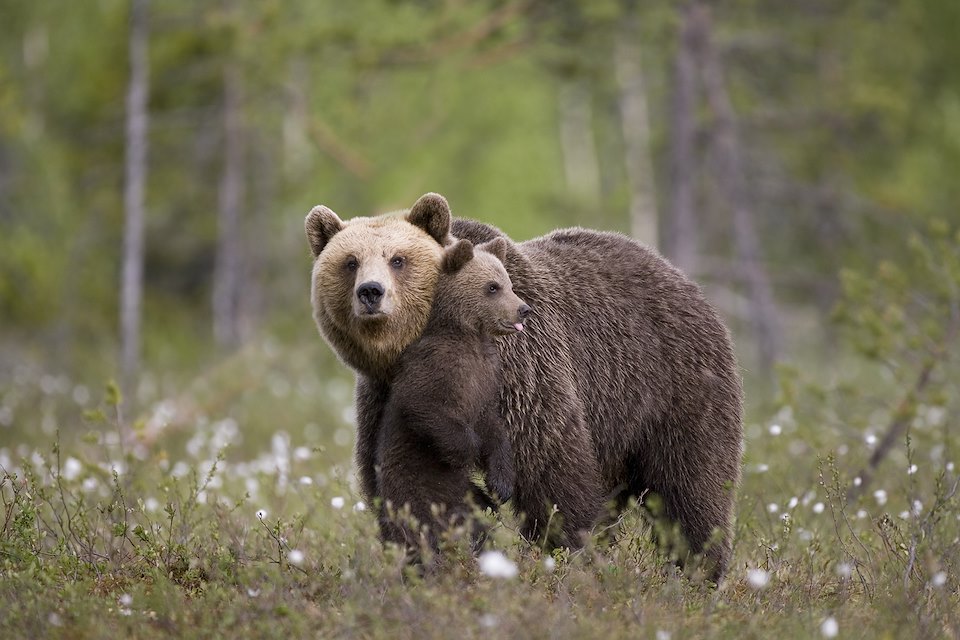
(442, 417)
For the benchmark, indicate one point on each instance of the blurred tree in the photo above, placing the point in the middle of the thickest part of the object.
(636, 129)
(228, 282)
(732, 178)
(680, 234)
(131, 293)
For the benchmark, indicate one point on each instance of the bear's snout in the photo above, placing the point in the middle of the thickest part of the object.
(524, 311)
(370, 294)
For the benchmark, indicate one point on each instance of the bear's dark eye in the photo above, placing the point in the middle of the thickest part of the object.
(492, 288)
(352, 264)
(397, 262)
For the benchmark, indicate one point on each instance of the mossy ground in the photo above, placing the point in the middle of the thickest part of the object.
(149, 527)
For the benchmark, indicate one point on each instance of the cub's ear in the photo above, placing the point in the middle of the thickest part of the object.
(497, 246)
(321, 225)
(456, 256)
(432, 214)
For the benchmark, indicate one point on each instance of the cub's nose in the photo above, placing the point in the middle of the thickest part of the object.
(370, 294)
(524, 311)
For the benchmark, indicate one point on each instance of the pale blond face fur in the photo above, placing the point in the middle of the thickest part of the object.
(401, 253)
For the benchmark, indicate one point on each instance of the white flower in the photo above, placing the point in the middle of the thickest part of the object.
(939, 579)
(306, 481)
(775, 430)
(549, 564)
(829, 627)
(253, 593)
(663, 634)
(126, 600)
(295, 557)
(262, 514)
(71, 469)
(337, 502)
(871, 439)
(818, 508)
(950, 467)
(912, 469)
(488, 621)
(90, 484)
(758, 578)
(360, 506)
(773, 507)
(794, 501)
(844, 570)
(301, 453)
(917, 507)
(861, 514)
(881, 496)
(496, 565)
(763, 468)
(857, 481)
(904, 515)
(151, 504)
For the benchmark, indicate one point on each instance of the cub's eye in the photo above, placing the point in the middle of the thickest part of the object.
(492, 288)
(352, 264)
(397, 262)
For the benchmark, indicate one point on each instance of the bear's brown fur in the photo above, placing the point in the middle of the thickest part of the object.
(625, 382)
(442, 417)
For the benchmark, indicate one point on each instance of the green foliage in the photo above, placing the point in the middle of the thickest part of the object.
(365, 105)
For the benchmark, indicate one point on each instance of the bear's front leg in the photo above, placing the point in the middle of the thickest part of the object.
(558, 492)
(371, 399)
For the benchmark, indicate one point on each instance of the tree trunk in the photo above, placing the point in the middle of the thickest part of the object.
(227, 278)
(732, 181)
(579, 149)
(135, 176)
(680, 241)
(635, 128)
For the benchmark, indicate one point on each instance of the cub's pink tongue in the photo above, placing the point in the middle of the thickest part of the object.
(518, 327)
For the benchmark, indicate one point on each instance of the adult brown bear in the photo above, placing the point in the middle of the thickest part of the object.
(624, 383)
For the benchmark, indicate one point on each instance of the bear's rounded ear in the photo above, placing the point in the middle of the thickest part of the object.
(456, 256)
(321, 225)
(497, 247)
(432, 214)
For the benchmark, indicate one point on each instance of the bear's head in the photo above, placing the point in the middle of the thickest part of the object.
(475, 294)
(374, 278)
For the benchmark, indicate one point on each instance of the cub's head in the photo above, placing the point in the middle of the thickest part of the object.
(374, 279)
(475, 292)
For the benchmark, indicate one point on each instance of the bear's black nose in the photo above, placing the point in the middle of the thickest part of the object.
(524, 311)
(370, 294)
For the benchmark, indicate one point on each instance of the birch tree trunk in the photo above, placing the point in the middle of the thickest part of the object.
(680, 241)
(227, 277)
(635, 128)
(578, 146)
(732, 180)
(135, 176)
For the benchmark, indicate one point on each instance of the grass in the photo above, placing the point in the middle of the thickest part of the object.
(227, 510)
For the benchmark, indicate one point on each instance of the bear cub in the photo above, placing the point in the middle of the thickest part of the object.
(442, 419)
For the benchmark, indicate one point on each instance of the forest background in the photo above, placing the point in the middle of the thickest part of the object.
(797, 158)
